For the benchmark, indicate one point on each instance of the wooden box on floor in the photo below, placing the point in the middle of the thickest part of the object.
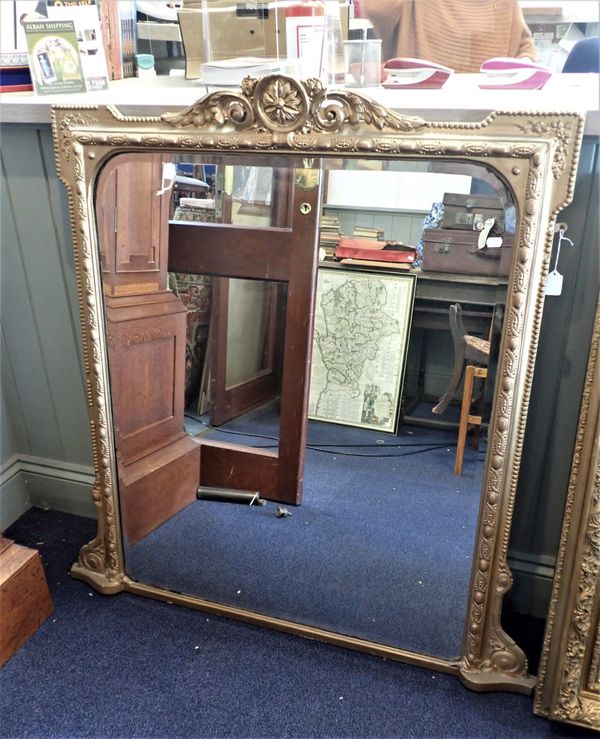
(24, 597)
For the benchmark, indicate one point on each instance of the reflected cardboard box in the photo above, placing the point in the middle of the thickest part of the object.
(235, 30)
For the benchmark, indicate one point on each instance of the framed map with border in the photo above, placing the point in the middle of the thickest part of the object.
(362, 327)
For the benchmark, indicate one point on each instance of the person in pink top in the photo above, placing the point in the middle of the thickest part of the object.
(460, 34)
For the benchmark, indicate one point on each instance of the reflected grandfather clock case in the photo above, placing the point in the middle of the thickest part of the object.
(146, 331)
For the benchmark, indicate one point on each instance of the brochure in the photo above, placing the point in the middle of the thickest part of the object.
(84, 14)
(54, 57)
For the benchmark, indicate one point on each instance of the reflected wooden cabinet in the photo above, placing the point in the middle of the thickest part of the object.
(569, 676)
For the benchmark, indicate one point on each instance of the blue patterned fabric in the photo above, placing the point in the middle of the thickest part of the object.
(431, 220)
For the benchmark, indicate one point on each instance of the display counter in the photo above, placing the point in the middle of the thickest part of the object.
(460, 99)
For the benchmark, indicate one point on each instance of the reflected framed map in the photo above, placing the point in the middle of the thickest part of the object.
(362, 327)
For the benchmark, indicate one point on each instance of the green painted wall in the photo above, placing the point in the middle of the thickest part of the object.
(44, 409)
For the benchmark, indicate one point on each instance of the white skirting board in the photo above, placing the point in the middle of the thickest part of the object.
(14, 493)
(27, 481)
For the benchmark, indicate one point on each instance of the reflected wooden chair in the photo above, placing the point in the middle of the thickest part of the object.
(471, 359)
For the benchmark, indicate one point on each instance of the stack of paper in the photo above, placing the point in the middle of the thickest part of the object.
(232, 71)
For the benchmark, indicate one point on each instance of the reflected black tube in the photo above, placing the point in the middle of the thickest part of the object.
(229, 495)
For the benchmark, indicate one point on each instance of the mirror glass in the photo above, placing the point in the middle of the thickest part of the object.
(415, 258)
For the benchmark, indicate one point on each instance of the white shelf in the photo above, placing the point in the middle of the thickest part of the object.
(394, 211)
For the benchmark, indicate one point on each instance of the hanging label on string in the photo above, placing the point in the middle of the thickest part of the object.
(554, 282)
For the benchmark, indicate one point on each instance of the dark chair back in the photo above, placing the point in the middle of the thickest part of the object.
(584, 56)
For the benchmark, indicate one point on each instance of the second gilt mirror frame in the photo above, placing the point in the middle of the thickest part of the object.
(535, 154)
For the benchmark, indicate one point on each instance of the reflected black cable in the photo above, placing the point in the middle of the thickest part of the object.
(322, 447)
(384, 445)
(228, 431)
(377, 456)
(356, 454)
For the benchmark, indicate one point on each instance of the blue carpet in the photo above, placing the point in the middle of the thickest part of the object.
(380, 548)
(123, 666)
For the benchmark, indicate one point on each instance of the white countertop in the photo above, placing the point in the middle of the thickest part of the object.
(460, 99)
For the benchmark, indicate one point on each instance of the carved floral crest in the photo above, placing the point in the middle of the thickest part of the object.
(283, 104)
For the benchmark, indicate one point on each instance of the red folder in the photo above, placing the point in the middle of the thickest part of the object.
(380, 251)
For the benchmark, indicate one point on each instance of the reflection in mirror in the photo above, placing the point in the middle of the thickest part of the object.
(410, 297)
(251, 305)
(175, 337)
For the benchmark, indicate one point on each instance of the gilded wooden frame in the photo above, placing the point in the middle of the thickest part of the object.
(569, 674)
(535, 153)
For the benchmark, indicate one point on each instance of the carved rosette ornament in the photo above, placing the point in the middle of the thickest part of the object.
(532, 152)
(282, 103)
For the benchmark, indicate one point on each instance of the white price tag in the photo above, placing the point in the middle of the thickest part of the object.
(494, 242)
(484, 231)
(554, 283)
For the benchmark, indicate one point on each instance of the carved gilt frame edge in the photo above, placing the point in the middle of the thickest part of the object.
(559, 691)
(326, 124)
(100, 561)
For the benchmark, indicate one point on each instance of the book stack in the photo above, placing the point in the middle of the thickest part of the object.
(329, 235)
(368, 232)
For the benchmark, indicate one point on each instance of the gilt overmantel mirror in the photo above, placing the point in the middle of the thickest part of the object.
(197, 237)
